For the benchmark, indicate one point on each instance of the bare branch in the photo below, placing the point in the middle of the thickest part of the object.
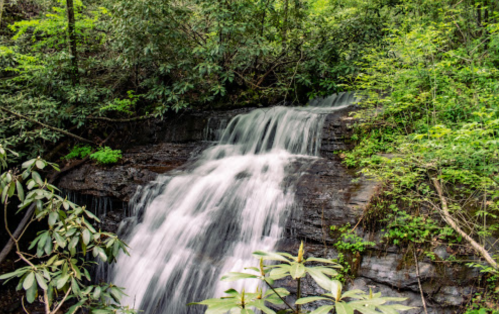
(45, 125)
(448, 218)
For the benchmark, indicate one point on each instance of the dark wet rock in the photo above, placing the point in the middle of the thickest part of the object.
(337, 132)
(327, 195)
(139, 166)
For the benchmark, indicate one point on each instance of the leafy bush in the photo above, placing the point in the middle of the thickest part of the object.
(106, 155)
(58, 269)
(297, 267)
(79, 152)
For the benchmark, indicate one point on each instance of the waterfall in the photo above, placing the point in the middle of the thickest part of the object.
(192, 226)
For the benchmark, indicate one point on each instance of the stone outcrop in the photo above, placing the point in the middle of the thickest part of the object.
(326, 191)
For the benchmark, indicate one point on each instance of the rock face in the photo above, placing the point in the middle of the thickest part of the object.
(325, 191)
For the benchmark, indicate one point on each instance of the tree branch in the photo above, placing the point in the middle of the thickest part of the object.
(121, 120)
(46, 126)
(448, 218)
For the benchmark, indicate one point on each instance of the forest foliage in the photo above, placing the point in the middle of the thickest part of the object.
(429, 71)
(142, 59)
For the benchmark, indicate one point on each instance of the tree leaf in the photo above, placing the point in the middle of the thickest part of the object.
(40, 164)
(297, 270)
(31, 293)
(28, 163)
(343, 308)
(336, 289)
(28, 281)
(20, 191)
(322, 280)
(97, 293)
(279, 272)
(236, 276)
(270, 256)
(53, 216)
(323, 309)
(41, 281)
(62, 281)
(323, 260)
(86, 236)
(310, 299)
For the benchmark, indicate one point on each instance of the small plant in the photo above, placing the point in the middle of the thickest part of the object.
(342, 302)
(350, 241)
(78, 152)
(123, 105)
(106, 155)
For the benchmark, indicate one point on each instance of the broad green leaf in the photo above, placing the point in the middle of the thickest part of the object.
(353, 293)
(297, 270)
(270, 256)
(323, 309)
(9, 275)
(323, 260)
(377, 301)
(280, 272)
(41, 281)
(86, 236)
(62, 281)
(28, 163)
(260, 304)
(31, 293)
(343, 308)
(53, 216)
(40, 164)
(236, 276)
(116, 293)
(28, 281)
(36, 176)
(97, 292)
(336, 289)
(322, 280)
(75, 286)
(20, 191)
(362, 308)
(74, 308)
(59, 239)
(310, 299)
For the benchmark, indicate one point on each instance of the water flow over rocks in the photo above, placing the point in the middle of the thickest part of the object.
(193, 226)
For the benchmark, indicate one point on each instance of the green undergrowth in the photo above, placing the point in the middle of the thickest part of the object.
(430, 121)
(102, 155)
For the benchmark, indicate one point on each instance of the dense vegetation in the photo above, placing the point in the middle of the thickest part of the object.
(130, 60)
(70, 71)
(430, 129)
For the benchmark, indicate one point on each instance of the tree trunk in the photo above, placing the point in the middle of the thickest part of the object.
(2, 3)
(285, 22)
(75, 78)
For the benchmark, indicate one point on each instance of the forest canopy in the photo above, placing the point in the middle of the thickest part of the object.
(102, 60)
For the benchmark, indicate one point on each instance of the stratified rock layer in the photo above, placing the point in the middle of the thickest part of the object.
(325, 191)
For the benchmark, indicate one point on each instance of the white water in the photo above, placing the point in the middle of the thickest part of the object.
(193, 226)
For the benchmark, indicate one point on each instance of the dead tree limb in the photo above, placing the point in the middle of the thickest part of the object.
(46, 125)
(444, 212)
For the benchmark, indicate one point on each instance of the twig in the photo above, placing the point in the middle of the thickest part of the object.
(24, 308)
(122, 120)
(282, 299)
(419, 281)
(62, 301)
(46, 126)
(8, 247)
(447, 217)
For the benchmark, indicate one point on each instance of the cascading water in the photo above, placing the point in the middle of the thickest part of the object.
(193, 226)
